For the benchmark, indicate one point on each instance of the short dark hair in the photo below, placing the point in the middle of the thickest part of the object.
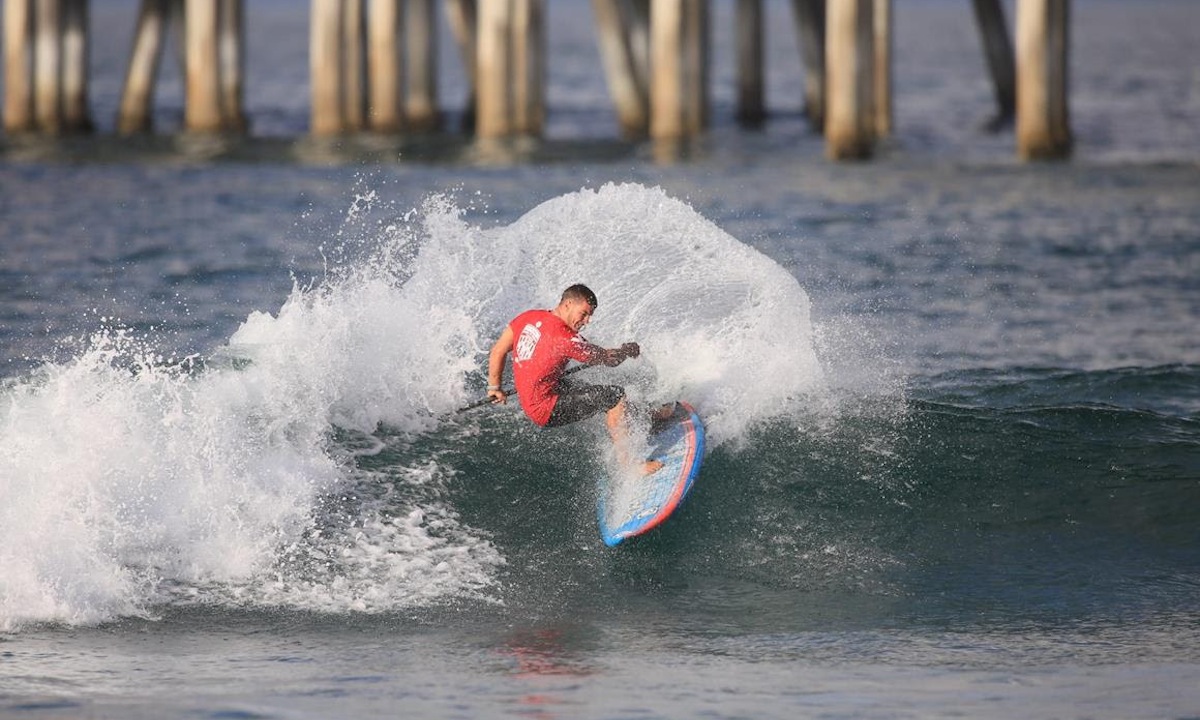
(580, 292)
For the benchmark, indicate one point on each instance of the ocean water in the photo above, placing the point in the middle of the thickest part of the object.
(953, 404)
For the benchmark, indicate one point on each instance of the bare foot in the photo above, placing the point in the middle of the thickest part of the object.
(650, 467)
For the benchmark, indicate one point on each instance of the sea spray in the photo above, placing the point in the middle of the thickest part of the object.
(119, 473)
(126, 483)
(719, 323)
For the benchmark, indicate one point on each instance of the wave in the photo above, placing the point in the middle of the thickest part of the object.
(315, 462)
(284, 469)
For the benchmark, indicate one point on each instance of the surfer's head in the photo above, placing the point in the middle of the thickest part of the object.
(580, 292)
(576, 306)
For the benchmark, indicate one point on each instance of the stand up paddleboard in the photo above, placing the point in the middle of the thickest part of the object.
(630, 506)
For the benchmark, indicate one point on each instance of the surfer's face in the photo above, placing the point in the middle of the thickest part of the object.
(578, 314)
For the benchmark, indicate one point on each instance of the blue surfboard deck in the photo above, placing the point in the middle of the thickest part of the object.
(630, 506)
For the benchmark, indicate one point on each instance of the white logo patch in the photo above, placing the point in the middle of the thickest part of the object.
(530, 335)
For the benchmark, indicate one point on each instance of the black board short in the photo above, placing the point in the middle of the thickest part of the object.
(579, 402)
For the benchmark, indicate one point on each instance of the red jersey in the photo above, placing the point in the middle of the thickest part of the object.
(542, 346)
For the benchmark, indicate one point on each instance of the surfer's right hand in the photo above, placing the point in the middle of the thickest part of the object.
(498, 397)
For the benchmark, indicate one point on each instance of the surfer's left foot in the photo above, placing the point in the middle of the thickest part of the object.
(650, 467)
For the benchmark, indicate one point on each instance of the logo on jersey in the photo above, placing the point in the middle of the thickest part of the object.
(527, 342)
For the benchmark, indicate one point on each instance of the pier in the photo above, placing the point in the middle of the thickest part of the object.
(373, 67)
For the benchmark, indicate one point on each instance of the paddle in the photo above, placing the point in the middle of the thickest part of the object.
(512, 391)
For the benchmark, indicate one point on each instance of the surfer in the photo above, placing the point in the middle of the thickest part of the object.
(542, 342)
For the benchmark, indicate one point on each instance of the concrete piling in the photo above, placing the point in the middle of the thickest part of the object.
(47, 66)
(1043, 121)
(751, 100)
(384, 64)
(137, 97)
(353, 62)
(627, 85)
(850, 68)
(882, 71)
(202, 110)
(510, 68)
(463, 17)
(998, 49)
(809, 17)
(420, 66)
(679, 68)
(325, 61)
(75, 49)
(18, 67)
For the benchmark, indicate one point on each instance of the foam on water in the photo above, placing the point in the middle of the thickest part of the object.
(127, 482)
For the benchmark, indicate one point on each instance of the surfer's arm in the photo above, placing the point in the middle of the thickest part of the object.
(496, 362)
(611, 357)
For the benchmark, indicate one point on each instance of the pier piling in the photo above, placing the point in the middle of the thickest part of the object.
(751, 101)
(202, 110)
(385, 80)
(137, 97)
(353, 59)
(882, 71)
(679, 68)
(616, 25)
(809, 17)
(325, 67)
(639, 46)
(850, 69)
(18, 66)
(993, 30)
(76, 113)
(213, 66)
(493, 70)
(463, 18)
(231, 39)
(509, 68)
(47, 66)
(1043, 123)
(420, 65)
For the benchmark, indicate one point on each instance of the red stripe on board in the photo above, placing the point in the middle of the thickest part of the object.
(681, 481)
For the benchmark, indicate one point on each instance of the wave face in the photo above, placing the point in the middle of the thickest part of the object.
(314, 461)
